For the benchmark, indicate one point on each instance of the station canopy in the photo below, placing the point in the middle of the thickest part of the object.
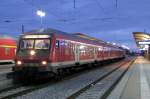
(141, 39)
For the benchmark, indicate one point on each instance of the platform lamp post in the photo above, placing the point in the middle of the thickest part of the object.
(41, 14)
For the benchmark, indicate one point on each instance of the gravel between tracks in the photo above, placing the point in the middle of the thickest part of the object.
(63, 89)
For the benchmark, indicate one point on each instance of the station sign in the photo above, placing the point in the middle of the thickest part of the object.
(144, 42)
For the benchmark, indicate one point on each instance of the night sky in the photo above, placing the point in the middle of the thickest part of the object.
(98, 18)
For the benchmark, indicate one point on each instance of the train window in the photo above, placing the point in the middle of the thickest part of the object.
(26, 44)
(62, 43)
(57, 43)
(42, 44)
(82, 47)
(67, 49)
(7, 51)
(67, 43)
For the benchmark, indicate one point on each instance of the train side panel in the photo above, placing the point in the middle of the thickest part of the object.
(63, 53)
(7, 50)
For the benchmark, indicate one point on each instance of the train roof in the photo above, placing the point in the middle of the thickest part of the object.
(7, 42)
(6, 37)
(75, 36)
(94, 39)
(45, 31)
(87, 37)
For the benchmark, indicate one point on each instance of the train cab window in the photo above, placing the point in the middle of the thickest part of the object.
(57, 44)
(26, 44)
(42, 44)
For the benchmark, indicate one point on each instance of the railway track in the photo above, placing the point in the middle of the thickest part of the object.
(19, 90)
(5, 76)
(81, 94)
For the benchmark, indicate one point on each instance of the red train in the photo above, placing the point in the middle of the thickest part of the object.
(7, 50)
(50, 50)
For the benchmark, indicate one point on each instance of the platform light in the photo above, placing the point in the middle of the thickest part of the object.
(141, 49)
(146, 46)
(144, 42)
(40, 13)
(32, 52)
(114, 43)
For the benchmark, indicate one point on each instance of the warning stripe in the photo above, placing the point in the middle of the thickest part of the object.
(8, 46)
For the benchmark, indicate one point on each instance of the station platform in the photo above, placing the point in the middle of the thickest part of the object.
(7, 68)
(136, 82)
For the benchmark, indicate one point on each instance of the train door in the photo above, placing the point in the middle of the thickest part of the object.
(57, 51)
(104, 53)
(77, 53)
(95, 53)
(62, 57)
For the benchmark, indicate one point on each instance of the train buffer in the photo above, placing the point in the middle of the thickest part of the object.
(136, 82)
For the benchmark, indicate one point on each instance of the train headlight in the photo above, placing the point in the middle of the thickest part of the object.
(19, 62)
(44, 62)
(32, 52)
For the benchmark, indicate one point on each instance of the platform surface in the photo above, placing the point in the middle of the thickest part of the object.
(136, 82)
(4, 69)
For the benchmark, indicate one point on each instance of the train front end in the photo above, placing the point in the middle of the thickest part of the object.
(32, 55)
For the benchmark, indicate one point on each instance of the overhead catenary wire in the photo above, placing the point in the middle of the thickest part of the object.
(100, 6)
(104, 12)
(74, 3)
(98, 2)
(116, 3)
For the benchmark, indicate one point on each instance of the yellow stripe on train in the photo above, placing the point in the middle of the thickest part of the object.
(8, 46)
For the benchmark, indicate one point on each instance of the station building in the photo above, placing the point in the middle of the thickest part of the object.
(142, 40)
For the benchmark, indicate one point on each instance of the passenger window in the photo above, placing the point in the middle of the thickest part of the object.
(7, 51)
(62, 43)
(57, 43)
